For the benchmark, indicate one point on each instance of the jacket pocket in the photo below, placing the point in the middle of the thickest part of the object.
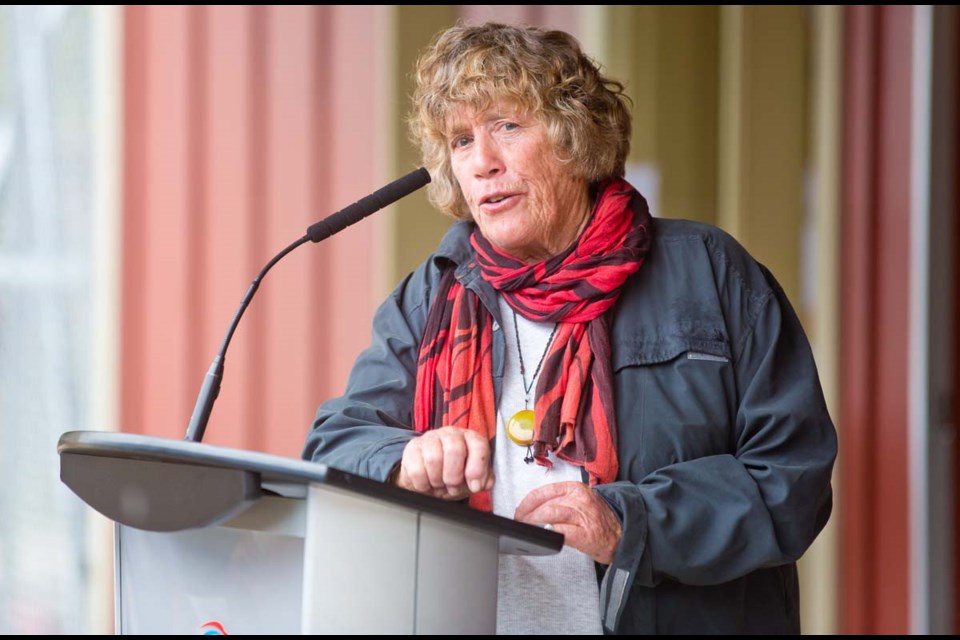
(675, 402)
(651, 352)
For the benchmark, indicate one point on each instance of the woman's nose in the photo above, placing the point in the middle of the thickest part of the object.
(487, 159)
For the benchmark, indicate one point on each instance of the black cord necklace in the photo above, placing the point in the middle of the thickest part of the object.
(520, 426)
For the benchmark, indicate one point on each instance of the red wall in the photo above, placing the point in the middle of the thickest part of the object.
(242, 126)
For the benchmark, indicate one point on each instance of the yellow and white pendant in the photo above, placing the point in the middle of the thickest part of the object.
(520, 428)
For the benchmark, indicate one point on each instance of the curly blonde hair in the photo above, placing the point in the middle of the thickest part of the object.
(542, 73)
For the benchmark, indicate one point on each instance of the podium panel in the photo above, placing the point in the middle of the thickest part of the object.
(177, 583)
(457, 572)
(360, 551)
(428, 575)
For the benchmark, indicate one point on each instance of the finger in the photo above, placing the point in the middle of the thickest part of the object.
(452, 495)
(576, 538)
(566, 521)
(431, 450)
(491, 480)
(540, 495)
(412, 467)
(569, 533)
(454, 460)
(554, 512)
(477, 473)
(402, 480)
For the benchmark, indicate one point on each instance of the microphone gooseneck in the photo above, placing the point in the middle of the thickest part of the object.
(330, 225)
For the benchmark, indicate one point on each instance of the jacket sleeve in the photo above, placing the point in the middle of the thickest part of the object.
(365, 430)
(716, 518)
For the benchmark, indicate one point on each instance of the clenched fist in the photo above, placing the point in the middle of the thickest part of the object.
(449, 463)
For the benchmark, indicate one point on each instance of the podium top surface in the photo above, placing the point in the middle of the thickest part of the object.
(163, 484)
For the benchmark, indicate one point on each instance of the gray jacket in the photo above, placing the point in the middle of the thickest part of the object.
(725, 445)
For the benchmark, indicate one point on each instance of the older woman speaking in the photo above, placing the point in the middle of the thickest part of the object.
(641, 386)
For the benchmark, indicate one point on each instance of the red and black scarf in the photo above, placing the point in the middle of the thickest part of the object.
(575, 415)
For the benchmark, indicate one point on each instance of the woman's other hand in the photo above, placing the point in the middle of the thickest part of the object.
(576, 511)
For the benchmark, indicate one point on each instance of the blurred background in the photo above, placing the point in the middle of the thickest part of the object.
(153, 158)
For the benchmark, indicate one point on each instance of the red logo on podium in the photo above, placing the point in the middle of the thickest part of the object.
(213, 628)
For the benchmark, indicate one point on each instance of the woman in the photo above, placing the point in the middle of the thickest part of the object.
(641, 386)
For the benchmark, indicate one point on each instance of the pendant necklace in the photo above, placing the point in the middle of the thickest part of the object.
(520, 426)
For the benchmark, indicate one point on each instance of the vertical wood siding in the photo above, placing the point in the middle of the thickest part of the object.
(244, 125)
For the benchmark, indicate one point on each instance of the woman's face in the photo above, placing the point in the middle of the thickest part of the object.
(524, 200)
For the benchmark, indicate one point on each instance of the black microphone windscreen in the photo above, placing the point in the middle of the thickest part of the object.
(377, 200)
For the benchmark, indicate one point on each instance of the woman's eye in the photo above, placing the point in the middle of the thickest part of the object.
(461, 141)
(510, 126)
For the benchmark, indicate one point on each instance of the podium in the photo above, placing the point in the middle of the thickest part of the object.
(215, 540)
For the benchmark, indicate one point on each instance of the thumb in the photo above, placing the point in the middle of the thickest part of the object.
(491, 480)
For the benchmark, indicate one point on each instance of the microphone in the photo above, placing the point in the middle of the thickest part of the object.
(330, 225)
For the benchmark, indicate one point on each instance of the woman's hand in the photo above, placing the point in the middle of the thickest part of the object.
(576, 511)
(449, 463)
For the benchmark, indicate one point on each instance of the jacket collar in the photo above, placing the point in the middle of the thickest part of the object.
(455, 245)
(455, 248)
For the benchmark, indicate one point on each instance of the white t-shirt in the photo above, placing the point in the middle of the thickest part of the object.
(555, 594)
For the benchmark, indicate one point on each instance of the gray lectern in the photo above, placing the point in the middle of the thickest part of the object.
(216, 540)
